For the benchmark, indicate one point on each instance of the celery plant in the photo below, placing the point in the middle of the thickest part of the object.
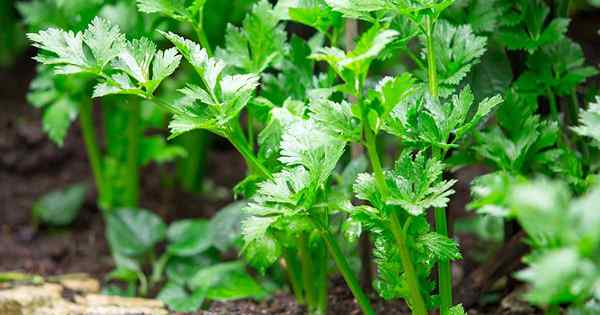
(135, 68)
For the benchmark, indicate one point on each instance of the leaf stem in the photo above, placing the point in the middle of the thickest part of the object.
(346, 271)
(553, 107)
(441, 222)
(417, 303)
(307, 272)
(238, 140)
(431, 65)
(190, 170)
(159, 267)
(202, 37)
(444, 268)
(93, 152)
(133, 147)
(250, 122)
(294, 273)
(375, 161)
(322, 279)
(574, 112)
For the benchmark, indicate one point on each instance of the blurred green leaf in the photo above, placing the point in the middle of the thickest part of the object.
(134, 232)
(60, 207)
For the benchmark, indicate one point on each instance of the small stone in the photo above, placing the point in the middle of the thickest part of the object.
(108, 300)
(79, 282)
(24, 300)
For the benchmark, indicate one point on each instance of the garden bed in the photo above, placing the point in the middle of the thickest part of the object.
(293, 242)
(32, 165)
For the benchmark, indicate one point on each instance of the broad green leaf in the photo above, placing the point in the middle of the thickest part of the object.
(133, 232)
(180, 270)
(60, 207)
(226, 225)
(178, 299)
(189, 237)
(226, 281)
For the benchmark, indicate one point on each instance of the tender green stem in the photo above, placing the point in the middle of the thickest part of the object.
(159, 267)
(307, 272)
(238, 140)
(250, 122)
(202, 36)
(562, 8)
(444, 271)
(431, 65)
(553, 107)
(322, 280)
(444, 267)
(574, 107)
(418, 304)
(133, 147)
(346, 271)
(414, 58)
(191, 168)
(92, 150)
(294, 273)
(143, 283)
(371, 145)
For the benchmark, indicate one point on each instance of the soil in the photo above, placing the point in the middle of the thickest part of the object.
(31, 165)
